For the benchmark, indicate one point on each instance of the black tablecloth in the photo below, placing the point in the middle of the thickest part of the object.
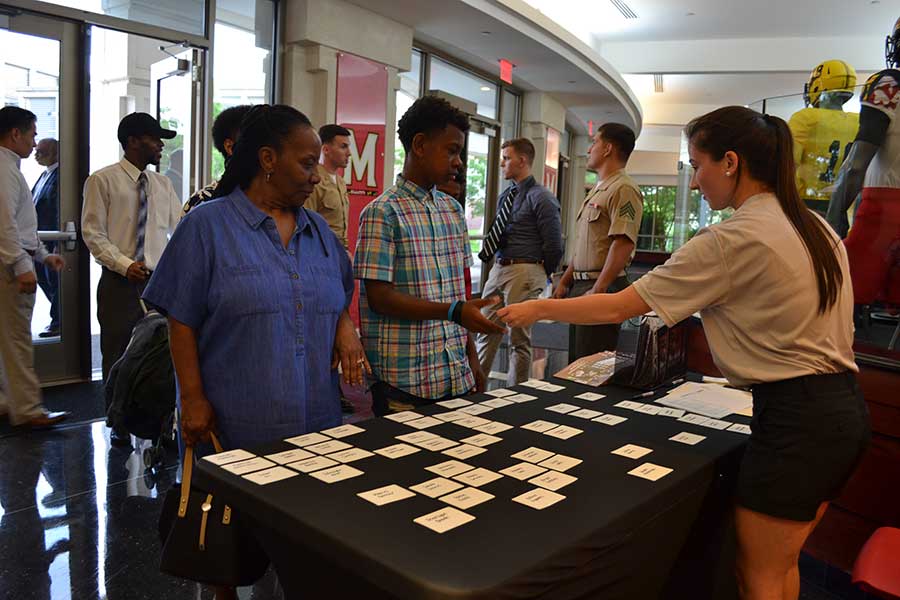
(614, 536)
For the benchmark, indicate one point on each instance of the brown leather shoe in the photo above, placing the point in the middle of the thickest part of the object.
(48, 419)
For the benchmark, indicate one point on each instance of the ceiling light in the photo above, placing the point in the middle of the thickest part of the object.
(658, 83)
(624, 9)
(485, 88)
(690, 14)
(572, 81)
(485, 33)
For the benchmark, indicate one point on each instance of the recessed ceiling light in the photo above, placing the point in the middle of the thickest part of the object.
(690, 14)
(485, 33)
(572, 81)
(875, 2)
(485, 88)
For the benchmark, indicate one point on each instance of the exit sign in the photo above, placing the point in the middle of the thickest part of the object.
(506, 68)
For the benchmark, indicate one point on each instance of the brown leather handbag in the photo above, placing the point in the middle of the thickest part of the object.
(202, 540)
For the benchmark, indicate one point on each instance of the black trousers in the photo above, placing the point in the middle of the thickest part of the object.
(585, 340)
(48, 280)
(118, 311)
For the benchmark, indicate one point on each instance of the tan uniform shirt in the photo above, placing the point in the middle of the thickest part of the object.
(330, 200)
(752, 280)
(613, 207)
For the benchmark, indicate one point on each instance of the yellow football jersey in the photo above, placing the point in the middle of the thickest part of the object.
(822, 138)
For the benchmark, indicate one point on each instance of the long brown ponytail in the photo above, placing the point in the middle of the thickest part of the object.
(765, 147)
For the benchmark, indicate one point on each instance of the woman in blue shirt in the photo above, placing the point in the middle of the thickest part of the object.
(256, 290)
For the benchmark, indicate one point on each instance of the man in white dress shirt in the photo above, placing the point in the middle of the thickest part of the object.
(20, 392)
(129, 214)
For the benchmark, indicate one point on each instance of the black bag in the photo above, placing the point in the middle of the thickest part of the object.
(140, 389)
(201, 540)
(650, 354)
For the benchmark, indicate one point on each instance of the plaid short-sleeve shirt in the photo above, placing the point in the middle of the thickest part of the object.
(417, 240)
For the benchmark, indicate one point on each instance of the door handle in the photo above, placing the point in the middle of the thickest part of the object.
(69, 235)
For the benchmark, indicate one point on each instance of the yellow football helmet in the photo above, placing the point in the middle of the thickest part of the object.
(829, 76)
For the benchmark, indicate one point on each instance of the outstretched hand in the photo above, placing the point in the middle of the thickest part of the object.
(474, 320)
(521, 314)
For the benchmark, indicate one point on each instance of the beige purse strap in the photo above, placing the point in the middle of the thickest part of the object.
(186, 472)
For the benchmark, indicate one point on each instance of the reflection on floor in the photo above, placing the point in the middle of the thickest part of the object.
(78, 519)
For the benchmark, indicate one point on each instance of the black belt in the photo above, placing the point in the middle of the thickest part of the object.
(825, 382)
(518, 261)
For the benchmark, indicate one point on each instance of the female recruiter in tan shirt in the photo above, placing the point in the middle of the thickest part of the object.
(773, 288)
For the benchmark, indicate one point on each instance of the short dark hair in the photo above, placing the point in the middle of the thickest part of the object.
(13, 117)
(620, 136)
(263, 125)
(521, 146)
(227, 125)
(331, 131)
(429, 114)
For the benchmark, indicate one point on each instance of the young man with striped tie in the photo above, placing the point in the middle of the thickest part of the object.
(525, 241)
(605, 235)
(128, 215)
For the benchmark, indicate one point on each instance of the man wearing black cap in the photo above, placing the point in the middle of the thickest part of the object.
(129, 213)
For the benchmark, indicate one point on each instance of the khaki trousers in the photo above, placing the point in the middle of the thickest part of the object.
(513, 283)
(20, 391)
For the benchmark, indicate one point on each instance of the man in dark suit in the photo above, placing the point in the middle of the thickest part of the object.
(46, 205)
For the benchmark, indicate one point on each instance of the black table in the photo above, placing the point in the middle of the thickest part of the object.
(614, 536)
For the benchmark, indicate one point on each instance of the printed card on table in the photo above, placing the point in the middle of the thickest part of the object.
(313, 464)
(335, 474)
(343, 431)
(540, 426)
(716, 424)
(386, 495)
(740, 428)
(472, 422)
(533, 455)
(248, 466)
(650, 471)
(497, 402)
(632, 451)
(329, 447)
(270, 475)
(436, 487)
(691, 439)
(416, 437)
(553, 481)
(648, 409)
(611, 420)
(564, 432)
(436, 444)
(539, 498)
(671, 412)
(283, 458)
(466, 498)
(397, 450)
(628, 404)
(223, 458)
(476, 409)
(478, 477)
(523, 471)
(520, 398)
(449, 468)
(560, 462)
(424, 422)
(590, 396)
(307, 439)
(464, 451)
(562, 408)
(351, 455)
(585, 413)
(482, 439)
(501, 393)
(693, 419)
(451, 416)
(552, 388)
(454, 403)
(402, 417)
(493, 427)
(442, 521)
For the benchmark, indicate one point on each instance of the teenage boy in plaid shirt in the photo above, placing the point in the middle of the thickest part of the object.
(412, 250)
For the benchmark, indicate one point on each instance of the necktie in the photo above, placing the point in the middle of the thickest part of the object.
(142, 217)
(492, 239)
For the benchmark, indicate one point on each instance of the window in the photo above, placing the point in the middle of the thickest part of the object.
(659, 223)
(453, 80)
(242, 59)
(180, 15)
(409, 92)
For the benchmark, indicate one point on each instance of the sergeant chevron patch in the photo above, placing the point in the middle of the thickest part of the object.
(626, 211)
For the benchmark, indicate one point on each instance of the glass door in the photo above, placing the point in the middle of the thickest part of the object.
(174, 102)
(480, 191)
(42, 74)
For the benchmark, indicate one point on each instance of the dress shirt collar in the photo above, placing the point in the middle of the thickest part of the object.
(132, 171)
(524, 185)
(415, 190)
(8, 154)
(256, 217)
(52, 168)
